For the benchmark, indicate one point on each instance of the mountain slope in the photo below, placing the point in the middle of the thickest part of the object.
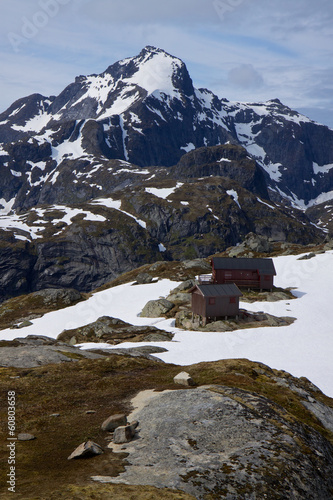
(136, 165)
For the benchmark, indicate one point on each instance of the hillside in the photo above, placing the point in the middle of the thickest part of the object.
(244, 427)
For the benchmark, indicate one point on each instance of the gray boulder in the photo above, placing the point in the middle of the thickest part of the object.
(124, 434)
(185, 285)
(156, 308)
(24, 436)
(183, 378)
(114, 421)
(86, 450)
(308, 256)
(143, 278)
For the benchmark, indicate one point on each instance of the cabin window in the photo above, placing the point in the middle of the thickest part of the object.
(266, 277)
(232, 300)
(228, 275)
(211, 301)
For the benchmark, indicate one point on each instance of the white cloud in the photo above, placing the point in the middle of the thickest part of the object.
(245, 76)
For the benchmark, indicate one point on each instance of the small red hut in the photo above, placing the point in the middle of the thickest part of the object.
(215, 301)
(247, 272)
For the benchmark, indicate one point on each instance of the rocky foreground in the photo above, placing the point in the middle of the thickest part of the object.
(238, 430)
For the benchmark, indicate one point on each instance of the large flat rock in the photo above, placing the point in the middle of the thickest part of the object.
(227, 441)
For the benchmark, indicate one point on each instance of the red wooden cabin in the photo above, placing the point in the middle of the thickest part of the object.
(215, 301)
(244, 272)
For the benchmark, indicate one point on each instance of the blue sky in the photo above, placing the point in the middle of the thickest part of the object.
(243, 50)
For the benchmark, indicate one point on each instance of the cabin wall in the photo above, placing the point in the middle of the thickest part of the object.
(198, 304)
(223, 306)
(266, 282)
(239, 277)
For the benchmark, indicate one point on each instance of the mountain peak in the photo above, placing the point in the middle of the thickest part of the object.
(154, 69)
(151, 49)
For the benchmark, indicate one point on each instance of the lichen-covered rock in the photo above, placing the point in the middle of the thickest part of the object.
(230, 442)
(156, 308)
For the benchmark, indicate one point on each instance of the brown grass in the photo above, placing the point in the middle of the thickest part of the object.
(106, 386)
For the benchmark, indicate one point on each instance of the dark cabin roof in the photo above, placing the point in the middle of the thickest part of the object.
(219, 290)
(264, 266)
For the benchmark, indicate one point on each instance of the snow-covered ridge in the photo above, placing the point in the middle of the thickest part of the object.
(26, 230)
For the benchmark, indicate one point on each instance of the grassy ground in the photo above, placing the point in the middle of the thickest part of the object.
(105, 386)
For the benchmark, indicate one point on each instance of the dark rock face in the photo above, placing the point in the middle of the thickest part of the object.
(90, 255)
(16, 265)
(228, 161)
(87, 254)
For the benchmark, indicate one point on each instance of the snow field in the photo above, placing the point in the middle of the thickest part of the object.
(304, 348)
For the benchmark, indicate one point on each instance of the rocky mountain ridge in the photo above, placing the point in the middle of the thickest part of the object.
(85, 245)
(145, 110)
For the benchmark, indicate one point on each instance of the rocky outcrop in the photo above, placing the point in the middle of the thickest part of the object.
(113, 331)
(18, 311)
(156, 308)
(245, 319)
(230, 442)
(35, 351)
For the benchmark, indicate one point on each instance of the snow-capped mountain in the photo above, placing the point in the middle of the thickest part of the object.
(136, 165)
(145, 110)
